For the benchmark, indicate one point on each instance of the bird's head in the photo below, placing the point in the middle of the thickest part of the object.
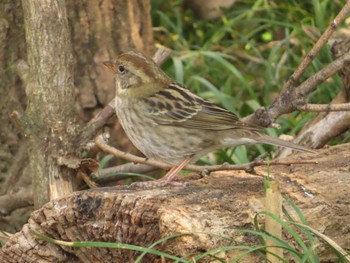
(137, 76)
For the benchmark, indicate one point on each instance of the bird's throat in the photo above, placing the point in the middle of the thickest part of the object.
(141, 91)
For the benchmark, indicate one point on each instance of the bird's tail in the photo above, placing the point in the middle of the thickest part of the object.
(265, 139)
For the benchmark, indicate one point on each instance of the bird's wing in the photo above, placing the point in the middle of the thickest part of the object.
(178, 106)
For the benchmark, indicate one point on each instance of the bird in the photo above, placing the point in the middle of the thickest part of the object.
(168, 122)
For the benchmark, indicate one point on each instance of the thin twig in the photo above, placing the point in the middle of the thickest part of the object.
(90, 183)
(97, 123)
(311, 83)
(324, 107)
(120, 172)
(12, 201)
(101, 142)
(289, 98)
(317, 47)
(125, 168)
(15, 171)
(5, 236)
(245, 167)
(161, 54)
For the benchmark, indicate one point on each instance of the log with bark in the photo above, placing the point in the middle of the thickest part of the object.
(216, 204)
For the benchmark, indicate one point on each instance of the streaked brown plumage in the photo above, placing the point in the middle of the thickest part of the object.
(167, 122)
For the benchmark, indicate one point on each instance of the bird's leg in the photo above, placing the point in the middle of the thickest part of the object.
(167, 179)
(175, 170)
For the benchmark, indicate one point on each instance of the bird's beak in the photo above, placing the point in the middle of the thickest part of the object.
(111, 65)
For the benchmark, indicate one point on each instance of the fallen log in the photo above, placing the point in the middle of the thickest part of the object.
(217, 204)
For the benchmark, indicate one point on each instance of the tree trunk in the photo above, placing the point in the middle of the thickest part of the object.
(217, 204)
(95, 32)
(49, 120)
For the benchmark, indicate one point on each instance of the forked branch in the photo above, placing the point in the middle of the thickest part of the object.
(291, 99)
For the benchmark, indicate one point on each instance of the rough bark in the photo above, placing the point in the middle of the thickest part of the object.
(49, 119)
(217, 204)
(99, 33)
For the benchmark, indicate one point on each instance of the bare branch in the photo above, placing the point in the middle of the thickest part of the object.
(317, 47)
(125, 168)
(292, 99)
(101, 142)
(91, 184)
(324, 107)
(161, 54)
(5, 236)
(14, 174)
(121, 172)
(327, 125)
(97, 123)
(289, 98)
(311, 83)
(11, 202)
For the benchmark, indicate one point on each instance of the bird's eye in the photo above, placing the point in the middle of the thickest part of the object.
(121, 69)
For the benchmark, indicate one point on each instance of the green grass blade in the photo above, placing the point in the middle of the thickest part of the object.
(107, 245)
(336, 248)
(290, 230)
(179, 69)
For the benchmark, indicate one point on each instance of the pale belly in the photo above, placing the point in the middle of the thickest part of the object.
(161, 142)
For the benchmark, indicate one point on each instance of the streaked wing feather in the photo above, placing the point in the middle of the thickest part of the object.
(172, 105)
(178, 106)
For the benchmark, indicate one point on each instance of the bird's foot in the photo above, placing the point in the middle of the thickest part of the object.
(168, 178)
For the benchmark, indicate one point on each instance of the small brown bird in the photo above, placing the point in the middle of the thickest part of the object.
(169, 123)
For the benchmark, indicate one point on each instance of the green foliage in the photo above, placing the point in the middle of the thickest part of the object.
(104, 161)
(242, 59)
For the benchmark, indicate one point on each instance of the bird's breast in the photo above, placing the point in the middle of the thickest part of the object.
(162, 142)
